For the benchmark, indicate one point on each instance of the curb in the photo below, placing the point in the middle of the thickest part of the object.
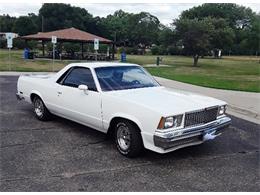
(244, 111)
(244, 114)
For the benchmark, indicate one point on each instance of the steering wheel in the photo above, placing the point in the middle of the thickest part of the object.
(136, 82)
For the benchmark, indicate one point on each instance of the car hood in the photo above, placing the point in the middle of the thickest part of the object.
(167, 101)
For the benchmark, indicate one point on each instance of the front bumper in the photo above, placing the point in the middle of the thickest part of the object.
(175, 139)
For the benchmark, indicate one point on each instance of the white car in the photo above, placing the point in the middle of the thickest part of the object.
(125, 101)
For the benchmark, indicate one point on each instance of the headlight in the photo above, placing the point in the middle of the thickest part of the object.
(170, 122)
(222, 110)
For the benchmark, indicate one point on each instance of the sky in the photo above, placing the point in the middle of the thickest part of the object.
(166, 12)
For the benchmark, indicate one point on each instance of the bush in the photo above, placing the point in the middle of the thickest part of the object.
(19, 44)
(134, 50)
(68, 47)
(173, 50)
(159, 50)
(2, 43)
(103, 48)
(129, 50)
(155, 50)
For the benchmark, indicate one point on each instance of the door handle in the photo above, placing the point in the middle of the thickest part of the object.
(59, 92)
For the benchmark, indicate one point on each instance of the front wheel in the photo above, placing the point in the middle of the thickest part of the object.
(40, 110)
(128, 139)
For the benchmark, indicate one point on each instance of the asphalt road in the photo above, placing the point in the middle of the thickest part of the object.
(61, 155)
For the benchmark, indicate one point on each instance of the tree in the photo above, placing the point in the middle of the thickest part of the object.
(24, 26)
(143, 29)
(249, 38)
(116, 27)
(166, 36)
(236, 28)
(223, 36)
(129, 29)
(59, 16)
(235, 15)
(237, 20)
(6, 23)
(195, 36)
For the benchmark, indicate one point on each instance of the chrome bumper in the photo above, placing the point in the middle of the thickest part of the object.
(176, 139)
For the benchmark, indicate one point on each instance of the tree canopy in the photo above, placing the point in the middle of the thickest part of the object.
(22, 22)
(233, 24)
(234, 14)
(227, 27)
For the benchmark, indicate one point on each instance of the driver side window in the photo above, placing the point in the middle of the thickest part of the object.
(80, 76)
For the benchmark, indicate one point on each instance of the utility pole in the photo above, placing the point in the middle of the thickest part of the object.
(54, 41)
(42, 23)
(9, 58)
(115, 38)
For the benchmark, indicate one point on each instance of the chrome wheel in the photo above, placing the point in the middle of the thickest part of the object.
(123, 137)
(38, 107)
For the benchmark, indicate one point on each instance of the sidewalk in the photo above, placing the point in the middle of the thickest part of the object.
(244, 105)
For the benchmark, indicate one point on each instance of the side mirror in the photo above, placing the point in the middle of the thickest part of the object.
(83, 88)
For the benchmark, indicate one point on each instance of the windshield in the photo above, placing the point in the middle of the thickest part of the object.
(124, 77)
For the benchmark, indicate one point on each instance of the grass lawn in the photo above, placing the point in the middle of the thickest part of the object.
(20, 64)
(230, 72)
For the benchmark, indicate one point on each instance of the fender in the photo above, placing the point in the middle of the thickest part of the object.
(37, 93)
(126, 116)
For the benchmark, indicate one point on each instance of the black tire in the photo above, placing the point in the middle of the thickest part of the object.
(42, 113)
(135, 144)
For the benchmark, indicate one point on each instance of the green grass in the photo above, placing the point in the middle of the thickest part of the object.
(234, 73)
(231, 72)
(17, 63)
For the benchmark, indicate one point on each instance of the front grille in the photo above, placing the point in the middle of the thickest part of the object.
(200, 117)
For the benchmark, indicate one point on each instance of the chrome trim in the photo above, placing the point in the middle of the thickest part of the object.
(167, 140)
(202, 116)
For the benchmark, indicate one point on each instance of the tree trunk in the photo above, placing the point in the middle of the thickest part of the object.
(195, 60)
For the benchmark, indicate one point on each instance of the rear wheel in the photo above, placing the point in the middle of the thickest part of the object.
(40, 110)
(128, 138)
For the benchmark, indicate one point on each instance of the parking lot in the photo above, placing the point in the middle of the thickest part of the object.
(61, 155)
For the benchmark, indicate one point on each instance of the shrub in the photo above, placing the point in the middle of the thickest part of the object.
(2, 43)
(159, 50)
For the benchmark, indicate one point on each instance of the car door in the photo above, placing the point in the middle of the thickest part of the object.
(78, 105)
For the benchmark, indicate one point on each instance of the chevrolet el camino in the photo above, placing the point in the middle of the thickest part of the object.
(125, 101)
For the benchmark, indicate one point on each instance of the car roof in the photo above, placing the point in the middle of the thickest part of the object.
(101, 64)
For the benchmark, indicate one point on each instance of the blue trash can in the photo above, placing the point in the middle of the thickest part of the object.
(26, 53)
(123, 57)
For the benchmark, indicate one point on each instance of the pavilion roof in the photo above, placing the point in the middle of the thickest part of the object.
(67, 35)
